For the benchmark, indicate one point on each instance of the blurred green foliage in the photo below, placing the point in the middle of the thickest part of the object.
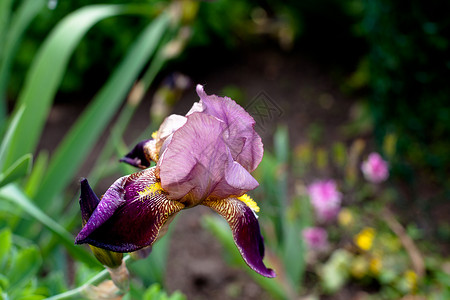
(368, 251)
(19, 265)
(403, 53)
(90, 60)
(409, 73)
(323, 28)
(37, 217)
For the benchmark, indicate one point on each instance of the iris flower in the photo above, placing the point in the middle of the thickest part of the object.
(203, 158)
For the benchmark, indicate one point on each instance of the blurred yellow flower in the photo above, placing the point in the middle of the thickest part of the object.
(345, 217)
(411, 280)
(375, 264)
(364, 239)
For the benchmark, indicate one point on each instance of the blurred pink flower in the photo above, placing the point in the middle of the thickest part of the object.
(325, 198)
(375, 169)
(315, 237)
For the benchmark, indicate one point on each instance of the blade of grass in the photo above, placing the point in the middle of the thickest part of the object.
(79, 141)
(20, 168)
(47, 70)
(14, 194)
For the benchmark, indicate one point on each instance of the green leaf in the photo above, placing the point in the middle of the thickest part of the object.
(32, 297)
(5, 11)
(21, 19)
(4, 283)
(12, 193)
(281, 144)
(34, 180)
(47, 70)
(177, 296)
(18, 170)
(294, 247)
(5, 242)
(6, 142)
(24, 267)
(82, 137)
(153, 292)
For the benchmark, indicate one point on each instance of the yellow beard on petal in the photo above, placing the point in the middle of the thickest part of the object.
(151, 189)
(249, 202)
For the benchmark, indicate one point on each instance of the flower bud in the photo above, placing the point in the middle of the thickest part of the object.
(107, 258)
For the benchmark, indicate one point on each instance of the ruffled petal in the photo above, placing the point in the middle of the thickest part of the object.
(240, 136)
(236, 182)
(246, 232)
(195, 159)
(131, 214)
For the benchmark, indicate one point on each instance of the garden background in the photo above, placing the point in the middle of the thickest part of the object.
(328, 82)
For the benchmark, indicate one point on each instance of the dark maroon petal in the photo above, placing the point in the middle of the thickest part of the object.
(240, 136)
(131, 214)
(246, 232)
(88, 200)
(111, 201)
(138, 157)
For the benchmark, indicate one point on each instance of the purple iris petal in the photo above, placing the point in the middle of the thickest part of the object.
(246, 232)
(237, 181)
(240, 136)
(139, 156)
(88, 201)
(203, 158)
(197, 163)
(129, 217)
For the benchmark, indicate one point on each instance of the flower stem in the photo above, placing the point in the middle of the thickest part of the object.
(76, 293)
